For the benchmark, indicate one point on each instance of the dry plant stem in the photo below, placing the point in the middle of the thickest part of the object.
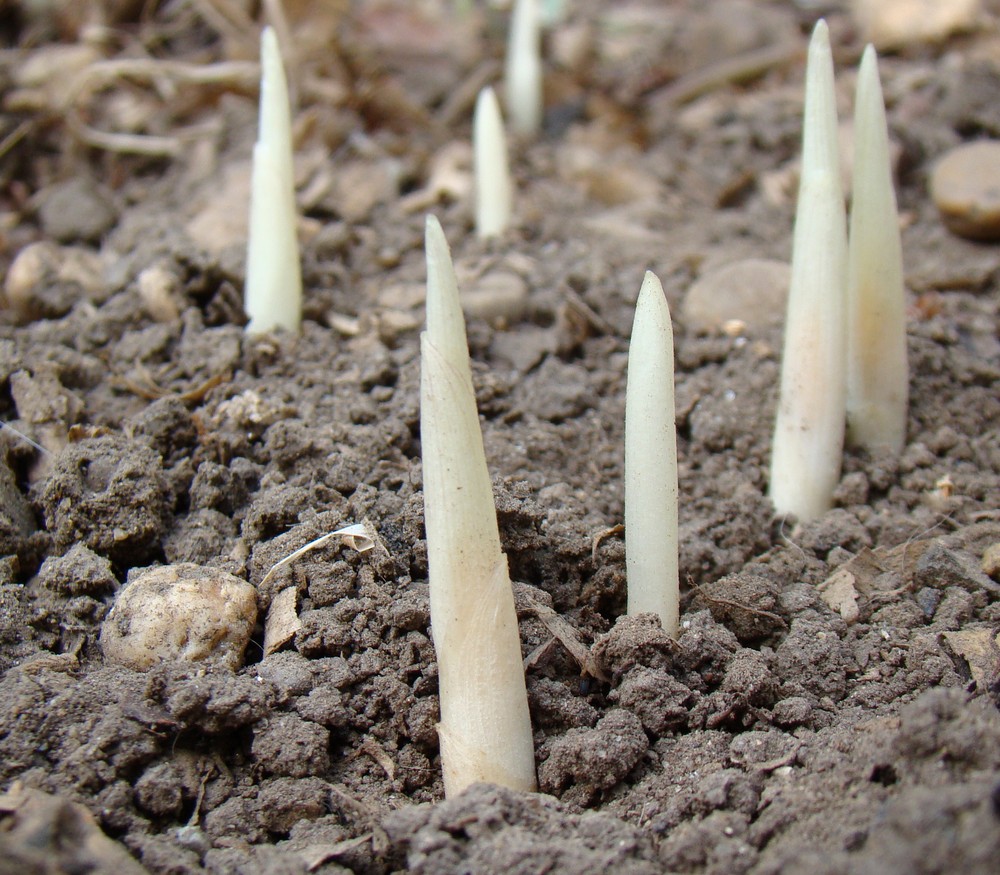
(651, 541)
(134, 144)
(741, 68)
(492, 174)
(168, 75)
(273, 295)
(485, 729)
(877, 371)
(809, 431)
(463, 97)
(523, 73)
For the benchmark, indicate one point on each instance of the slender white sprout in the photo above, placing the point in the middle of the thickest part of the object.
(877, 371)
(485, 728)
(492, 174)
(523, 73)
(651, 539)
(273, 290)
(809, 431)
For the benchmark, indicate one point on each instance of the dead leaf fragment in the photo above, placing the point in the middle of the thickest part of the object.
(282, 621)
(45, 833)
(840, 594)
(980, 648)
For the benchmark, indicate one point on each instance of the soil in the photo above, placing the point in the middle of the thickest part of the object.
(777, 734)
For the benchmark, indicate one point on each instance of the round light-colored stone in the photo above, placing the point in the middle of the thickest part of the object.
(184, 612)
(894, 24)
(750, 292)
(965, 186)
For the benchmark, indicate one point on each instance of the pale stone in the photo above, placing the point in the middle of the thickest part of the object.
(498, 296)
(159, 288)
(222, 219)
(893, 24)
(965, 186)
(180, 612)
(40, 270)
(751, 292)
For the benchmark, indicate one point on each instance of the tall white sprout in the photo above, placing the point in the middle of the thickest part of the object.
(485, 729)
(809, 432)
(651, 539)
(523, 72)
(491, 171)
(877, 372)
(273, 289)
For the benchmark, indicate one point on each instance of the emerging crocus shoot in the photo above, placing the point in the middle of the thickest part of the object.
(485, 729)
(651, 540)
(523, 73)
(492, 174)
(877, 372)
(273, 290)
(809, 432)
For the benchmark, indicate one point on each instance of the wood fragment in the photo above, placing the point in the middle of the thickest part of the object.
(564, 633)
(742, 68)
(729, 603)
(600, 536)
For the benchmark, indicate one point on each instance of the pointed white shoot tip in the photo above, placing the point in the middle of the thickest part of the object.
(491, 171)
(809, 430)
(485, 728)
(651, 535)
(523, 72)
(877, 369)
(445, 321)
(274, 122)
(820, 153)
(273, 286)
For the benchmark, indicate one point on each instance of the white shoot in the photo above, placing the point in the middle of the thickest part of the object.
(651, 539)
(523, 73)
(273, 290)
(809, 432)
(877, 372)
(492, 173)
(485, 728)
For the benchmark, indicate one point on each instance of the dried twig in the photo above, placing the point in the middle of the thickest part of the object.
(600, 536)
(729, 603)
(742, 68)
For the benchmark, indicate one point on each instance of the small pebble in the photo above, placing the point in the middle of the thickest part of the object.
(180, 612)
(991, 561)
(159, 288)
(965, 186)
(46, 280)
(751, 292)
(928, 599)
(894, 24)
(940, 568)
(75, 211)
(499, 296)
(794, 711)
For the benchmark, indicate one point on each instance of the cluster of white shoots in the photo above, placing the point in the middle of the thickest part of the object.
(273, 286)
(485, 728)
(845, 335)
(844, 360)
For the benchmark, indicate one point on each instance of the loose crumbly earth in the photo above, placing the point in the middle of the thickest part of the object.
(775, 735)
